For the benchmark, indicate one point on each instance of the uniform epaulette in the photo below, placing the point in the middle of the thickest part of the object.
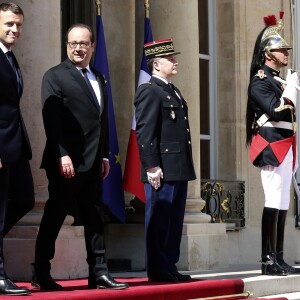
(148, 82)
(261, 74)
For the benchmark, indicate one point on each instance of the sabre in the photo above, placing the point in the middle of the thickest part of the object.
(246, 294)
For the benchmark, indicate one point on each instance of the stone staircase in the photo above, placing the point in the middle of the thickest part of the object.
(259, 285)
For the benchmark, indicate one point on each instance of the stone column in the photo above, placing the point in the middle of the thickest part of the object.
(179, 20)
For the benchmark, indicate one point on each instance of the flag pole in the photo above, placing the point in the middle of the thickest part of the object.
(146, 4)
(98, 4)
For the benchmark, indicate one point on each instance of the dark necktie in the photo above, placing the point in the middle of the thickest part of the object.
(95, 100)
(14, 67)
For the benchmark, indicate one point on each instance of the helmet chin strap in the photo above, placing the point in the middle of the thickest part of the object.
(276, 59)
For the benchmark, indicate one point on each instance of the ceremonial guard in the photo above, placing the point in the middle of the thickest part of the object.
(270, 128)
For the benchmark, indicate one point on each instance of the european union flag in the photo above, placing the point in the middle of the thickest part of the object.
(113, 194)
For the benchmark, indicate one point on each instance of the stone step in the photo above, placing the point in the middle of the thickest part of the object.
(260, 285)
(289, 296)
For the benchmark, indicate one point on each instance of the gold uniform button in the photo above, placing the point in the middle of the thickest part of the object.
(185, 118)
(188, 130)
(166, 150)
(189, 142)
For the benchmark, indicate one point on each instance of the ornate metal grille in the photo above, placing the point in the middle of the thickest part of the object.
(225, 202)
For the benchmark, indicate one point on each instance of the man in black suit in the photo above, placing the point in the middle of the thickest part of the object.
(75, 116)
(16, 183)
(164, 141)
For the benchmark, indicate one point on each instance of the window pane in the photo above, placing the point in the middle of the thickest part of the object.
(75, 11)
(205, 159)
(204, 97)
(203, 26)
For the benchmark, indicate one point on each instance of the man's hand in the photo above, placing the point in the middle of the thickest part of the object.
(290, 91)
(0, 164)
(154, 175)
(292, 85)
(66, 166)
(105, 168)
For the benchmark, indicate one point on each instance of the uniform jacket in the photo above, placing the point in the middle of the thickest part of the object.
(13, 134)
(73, 124)
(163, 132)
(264, 96)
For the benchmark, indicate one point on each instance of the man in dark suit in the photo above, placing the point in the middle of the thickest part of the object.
(16, 183)
(164, 141)
(75, 116)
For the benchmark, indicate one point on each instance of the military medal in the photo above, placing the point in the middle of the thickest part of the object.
(172, 114)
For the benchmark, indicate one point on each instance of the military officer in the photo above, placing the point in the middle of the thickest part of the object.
(164, 141)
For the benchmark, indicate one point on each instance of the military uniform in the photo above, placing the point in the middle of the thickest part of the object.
(275, 134)
(164, 140)
(270, 131)
(163, 131)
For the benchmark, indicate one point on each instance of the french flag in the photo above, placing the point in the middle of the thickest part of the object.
(131, 178)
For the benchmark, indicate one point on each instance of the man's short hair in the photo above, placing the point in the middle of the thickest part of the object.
(81, 25)
(14, 8)
(150, 64)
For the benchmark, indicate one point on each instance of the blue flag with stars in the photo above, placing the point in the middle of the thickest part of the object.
(113, 194)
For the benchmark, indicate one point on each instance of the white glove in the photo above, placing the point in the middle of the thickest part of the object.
(154, 175)
(292, 86)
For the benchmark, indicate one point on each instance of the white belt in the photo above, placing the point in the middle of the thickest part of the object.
(280, 124)
(262, 120)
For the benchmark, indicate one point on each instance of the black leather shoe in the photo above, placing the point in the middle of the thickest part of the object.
(284, 265)
(43, 280)
(107, 282)
(7, 287)
(92, 283)
(167, 277)
(181, 277)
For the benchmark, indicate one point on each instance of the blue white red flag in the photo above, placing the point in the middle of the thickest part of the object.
(131, 179)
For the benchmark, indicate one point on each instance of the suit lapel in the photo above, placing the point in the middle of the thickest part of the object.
(101, 87)
(80, 80)
(165, 87)
(20, 83)
(5, 64)
(101, 94)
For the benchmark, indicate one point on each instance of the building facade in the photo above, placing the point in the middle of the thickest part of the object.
(216, 39)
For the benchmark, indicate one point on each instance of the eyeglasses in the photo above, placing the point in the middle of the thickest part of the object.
(83, 45)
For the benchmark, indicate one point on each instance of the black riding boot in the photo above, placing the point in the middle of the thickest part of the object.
(280, 242)
(269, 236)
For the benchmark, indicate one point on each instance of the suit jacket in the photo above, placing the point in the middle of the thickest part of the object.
(264, 96)
(163, 132)
(73, 124)
(13, 135)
